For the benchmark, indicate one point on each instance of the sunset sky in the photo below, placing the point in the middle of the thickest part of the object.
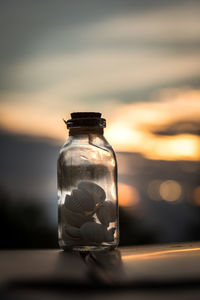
(137, 62)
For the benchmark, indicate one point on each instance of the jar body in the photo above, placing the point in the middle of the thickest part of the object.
(87, 194)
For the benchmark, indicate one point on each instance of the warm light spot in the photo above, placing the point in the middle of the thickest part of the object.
(120, 134)
(170, 190)
(196, 195)
(123, 137)
(153, 189)
(128, 195)
(176, 147)
(158, 254)
(185, 146)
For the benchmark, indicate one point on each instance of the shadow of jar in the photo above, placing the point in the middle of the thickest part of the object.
(105, 267)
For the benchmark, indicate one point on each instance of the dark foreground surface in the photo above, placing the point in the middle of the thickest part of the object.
(142, 272)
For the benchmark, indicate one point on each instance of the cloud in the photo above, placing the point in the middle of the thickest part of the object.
(181, 127)
(105, 59)
(172, 105)
(94, 64)
(81, 76)
(177, 23)
(132, 126)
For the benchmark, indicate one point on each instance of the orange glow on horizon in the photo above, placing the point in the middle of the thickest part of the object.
(130, 126)
(33, 121)
(133, 125)
(180, 147)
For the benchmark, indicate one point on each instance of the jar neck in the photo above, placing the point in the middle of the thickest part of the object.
(85, 130)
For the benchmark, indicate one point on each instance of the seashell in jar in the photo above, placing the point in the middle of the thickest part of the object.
(93, 232)
(76, 219)
(97, 193)
(72, 204)
(84, 199)
(71, 241)
(106, 212)
(103, 215)
(72, 231)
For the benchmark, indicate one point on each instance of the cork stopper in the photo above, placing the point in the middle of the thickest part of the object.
(85, 119)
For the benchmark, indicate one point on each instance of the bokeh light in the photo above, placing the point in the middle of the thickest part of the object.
(170, 190)
(128, 195)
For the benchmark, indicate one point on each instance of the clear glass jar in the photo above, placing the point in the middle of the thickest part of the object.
(87, 187)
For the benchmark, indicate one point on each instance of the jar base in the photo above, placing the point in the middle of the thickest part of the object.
(89, 248)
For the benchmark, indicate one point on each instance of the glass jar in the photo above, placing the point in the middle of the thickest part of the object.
(87, 187)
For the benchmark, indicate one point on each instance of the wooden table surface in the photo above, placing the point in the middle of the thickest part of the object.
(143, 272)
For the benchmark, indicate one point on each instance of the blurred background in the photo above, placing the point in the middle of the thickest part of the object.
(137, 62)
